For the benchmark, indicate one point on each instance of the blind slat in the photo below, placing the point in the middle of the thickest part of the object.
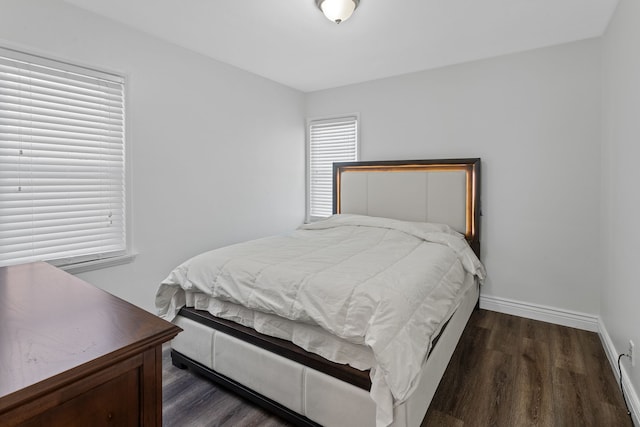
(12, 97)
(27, 83)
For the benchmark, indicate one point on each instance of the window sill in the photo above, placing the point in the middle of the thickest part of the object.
(97, 264)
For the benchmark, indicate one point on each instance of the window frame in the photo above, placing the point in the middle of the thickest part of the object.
(90, 262)
(309, 122)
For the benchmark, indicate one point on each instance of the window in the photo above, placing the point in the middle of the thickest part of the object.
(62, 162)
(330, 140)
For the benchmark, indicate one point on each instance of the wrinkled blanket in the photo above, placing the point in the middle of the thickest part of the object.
(384, 283)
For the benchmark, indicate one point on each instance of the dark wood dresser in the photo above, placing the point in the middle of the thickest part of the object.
(74, 355)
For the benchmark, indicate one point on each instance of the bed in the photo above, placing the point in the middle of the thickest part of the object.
(332, 346)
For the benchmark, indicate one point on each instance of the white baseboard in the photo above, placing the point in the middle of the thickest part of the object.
(558, 316)
(612, 354)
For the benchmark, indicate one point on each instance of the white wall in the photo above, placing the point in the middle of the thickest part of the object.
(218, 157)
(534, 119)
(620, 296)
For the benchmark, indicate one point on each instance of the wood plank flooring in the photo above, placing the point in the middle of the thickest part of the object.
(506, 371)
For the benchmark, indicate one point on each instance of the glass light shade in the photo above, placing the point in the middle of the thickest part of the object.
(337, 10)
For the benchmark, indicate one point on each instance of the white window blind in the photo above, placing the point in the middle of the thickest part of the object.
(331, 140)
(62, 182)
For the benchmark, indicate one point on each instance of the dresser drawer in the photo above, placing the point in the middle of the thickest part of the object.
(114, 403)
(112, 396)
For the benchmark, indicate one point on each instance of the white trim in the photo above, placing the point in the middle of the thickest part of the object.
(97, 264)
(612, 354)
(558, 316)
(34, 51)
(44, 60)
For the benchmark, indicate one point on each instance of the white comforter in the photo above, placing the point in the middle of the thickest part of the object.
(383, 283)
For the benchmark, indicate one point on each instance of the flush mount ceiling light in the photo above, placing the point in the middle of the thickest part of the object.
(337, 10)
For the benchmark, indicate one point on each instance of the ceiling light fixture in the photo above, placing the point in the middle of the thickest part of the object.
(337, 10)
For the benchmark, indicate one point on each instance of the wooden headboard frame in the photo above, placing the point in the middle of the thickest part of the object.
(470, 166)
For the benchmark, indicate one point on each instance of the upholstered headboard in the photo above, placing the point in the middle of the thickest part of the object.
(443, 191)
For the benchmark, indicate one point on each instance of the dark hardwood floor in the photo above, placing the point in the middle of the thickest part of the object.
(506, 371)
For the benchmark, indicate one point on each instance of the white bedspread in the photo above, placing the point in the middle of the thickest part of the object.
(383, 283)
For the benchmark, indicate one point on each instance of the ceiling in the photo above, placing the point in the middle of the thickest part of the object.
(291, 42)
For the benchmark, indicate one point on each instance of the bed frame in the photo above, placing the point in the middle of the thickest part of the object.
(302, 387)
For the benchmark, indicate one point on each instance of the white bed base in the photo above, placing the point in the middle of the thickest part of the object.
(313, 394)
